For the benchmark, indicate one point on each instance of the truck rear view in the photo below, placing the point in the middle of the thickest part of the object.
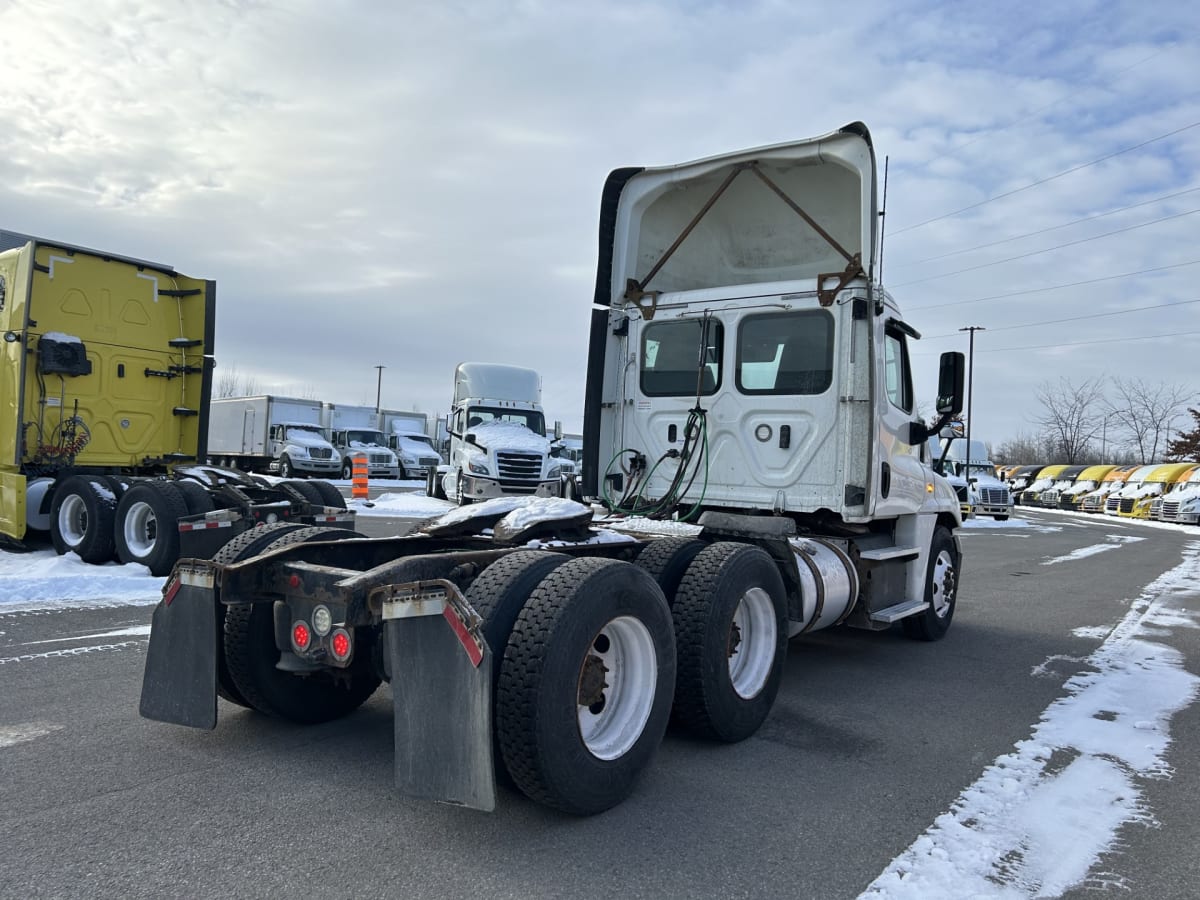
(105, 367)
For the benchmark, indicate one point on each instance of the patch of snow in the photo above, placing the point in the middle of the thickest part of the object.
(400, 504)
(540, 509)
(509, 436)
(135, 630)
(1114, 541)
(61, 338)
(1092, 631)
(497, 506)
(44, 579)
(651, 526)
(1026, 828)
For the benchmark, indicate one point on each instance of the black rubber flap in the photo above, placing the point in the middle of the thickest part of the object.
(180, 681)
(443, 714)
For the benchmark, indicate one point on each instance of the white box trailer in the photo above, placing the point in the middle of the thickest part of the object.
(267, 433)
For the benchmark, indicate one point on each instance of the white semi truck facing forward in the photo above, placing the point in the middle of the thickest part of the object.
(746, 371)
(498, 442)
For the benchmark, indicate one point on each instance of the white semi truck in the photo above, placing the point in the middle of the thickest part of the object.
(746, 371)
(268, 433)
(987, 494)
(356, 431)
(498, 442)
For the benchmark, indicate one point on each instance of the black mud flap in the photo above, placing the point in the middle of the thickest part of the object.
(442, 691)
(180, 681)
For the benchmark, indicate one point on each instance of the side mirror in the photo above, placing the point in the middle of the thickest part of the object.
(558, 431)
(951, 374)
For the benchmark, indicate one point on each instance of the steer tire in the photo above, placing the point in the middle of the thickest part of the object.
(81, 518)
(732, 596)
(553, 657)
(251, 655)
(330, 496)
(498, 595)
(941, 590)
(147, 529)
(667, 560)
(196, 498)
(245, 545)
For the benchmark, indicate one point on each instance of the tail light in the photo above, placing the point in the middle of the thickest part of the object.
(301, 636)
(340, 644)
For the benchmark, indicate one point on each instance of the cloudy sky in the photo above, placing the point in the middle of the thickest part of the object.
(414, 185)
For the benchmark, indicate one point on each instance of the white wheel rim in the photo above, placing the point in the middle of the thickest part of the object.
(73, 520)
(140, 529)
(750, 661)
(611, 727)
(943, 573)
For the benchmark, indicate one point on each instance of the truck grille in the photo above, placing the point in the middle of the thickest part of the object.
(320, 452)
(1170, 508)
(997, 496)
(961, 491)
(1112, 503)
(1126, 505)
(378, 459)
(428, 462)
(518, 467)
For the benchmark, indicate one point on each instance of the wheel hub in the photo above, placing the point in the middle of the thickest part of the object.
(591, 681)
(735, 638)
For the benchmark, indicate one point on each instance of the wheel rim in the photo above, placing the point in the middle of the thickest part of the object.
(140, 529)
(753, 636)
(616, 688)
(943, 584)
(73, 520)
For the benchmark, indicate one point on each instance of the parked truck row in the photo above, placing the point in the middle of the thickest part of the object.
(747, 372)
(1167, 492)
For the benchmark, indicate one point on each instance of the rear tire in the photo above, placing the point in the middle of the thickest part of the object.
(195, 497)
(81, 518)
(731, 627)
(498, 595)
(147, 529)
(330, 496)
(667, 561)
(941, 590)
(245, 545)
(251, 655)
(585, 687)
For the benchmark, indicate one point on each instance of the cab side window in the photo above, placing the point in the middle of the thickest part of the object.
(897, 371)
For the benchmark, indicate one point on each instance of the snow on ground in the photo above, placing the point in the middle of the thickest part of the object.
(42, 579)
(401, 504)
(1039, 818)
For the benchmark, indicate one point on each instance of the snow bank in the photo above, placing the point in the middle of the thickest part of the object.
(43, 579)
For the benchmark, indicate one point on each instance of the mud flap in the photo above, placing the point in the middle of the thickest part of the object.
(442, 694)
(180, 681)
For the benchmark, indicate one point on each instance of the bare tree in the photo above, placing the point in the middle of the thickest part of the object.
(1027, 449)
(1069, 416)
(232, 383)
(1146, 412)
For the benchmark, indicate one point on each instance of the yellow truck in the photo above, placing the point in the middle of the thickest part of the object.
(1137, 504)
(105, 379)
(1087, 481)
(1094, 501)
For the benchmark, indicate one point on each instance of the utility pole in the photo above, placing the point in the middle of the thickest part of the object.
(379, 389)
(970, 387)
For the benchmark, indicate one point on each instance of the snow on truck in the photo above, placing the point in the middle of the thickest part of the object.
(105, 378)
(746, 371)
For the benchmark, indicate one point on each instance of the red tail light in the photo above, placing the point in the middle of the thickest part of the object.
(341, 644)
(301, 637)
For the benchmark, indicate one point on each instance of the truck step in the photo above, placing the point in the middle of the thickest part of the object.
(898, 612)
(897, 553)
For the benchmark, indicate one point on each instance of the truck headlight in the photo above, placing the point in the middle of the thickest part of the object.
(408, 460)
(555, 472)
(479, 468)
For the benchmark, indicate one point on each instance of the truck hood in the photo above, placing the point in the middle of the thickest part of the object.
(784, 213)
(1080, 487)
(497, 436)
(306, 439)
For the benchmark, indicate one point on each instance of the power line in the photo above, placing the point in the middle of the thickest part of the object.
(1056, 346)
(1057, 287)
(1114, 154)
(1049, 249)
(1119, 312)
(1111, 212)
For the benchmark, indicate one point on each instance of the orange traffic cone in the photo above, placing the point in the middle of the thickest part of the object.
(359, 470)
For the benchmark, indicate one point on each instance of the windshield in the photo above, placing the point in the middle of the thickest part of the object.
(482, 415)
(365, 437)
(425, 442)
(297, 432)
